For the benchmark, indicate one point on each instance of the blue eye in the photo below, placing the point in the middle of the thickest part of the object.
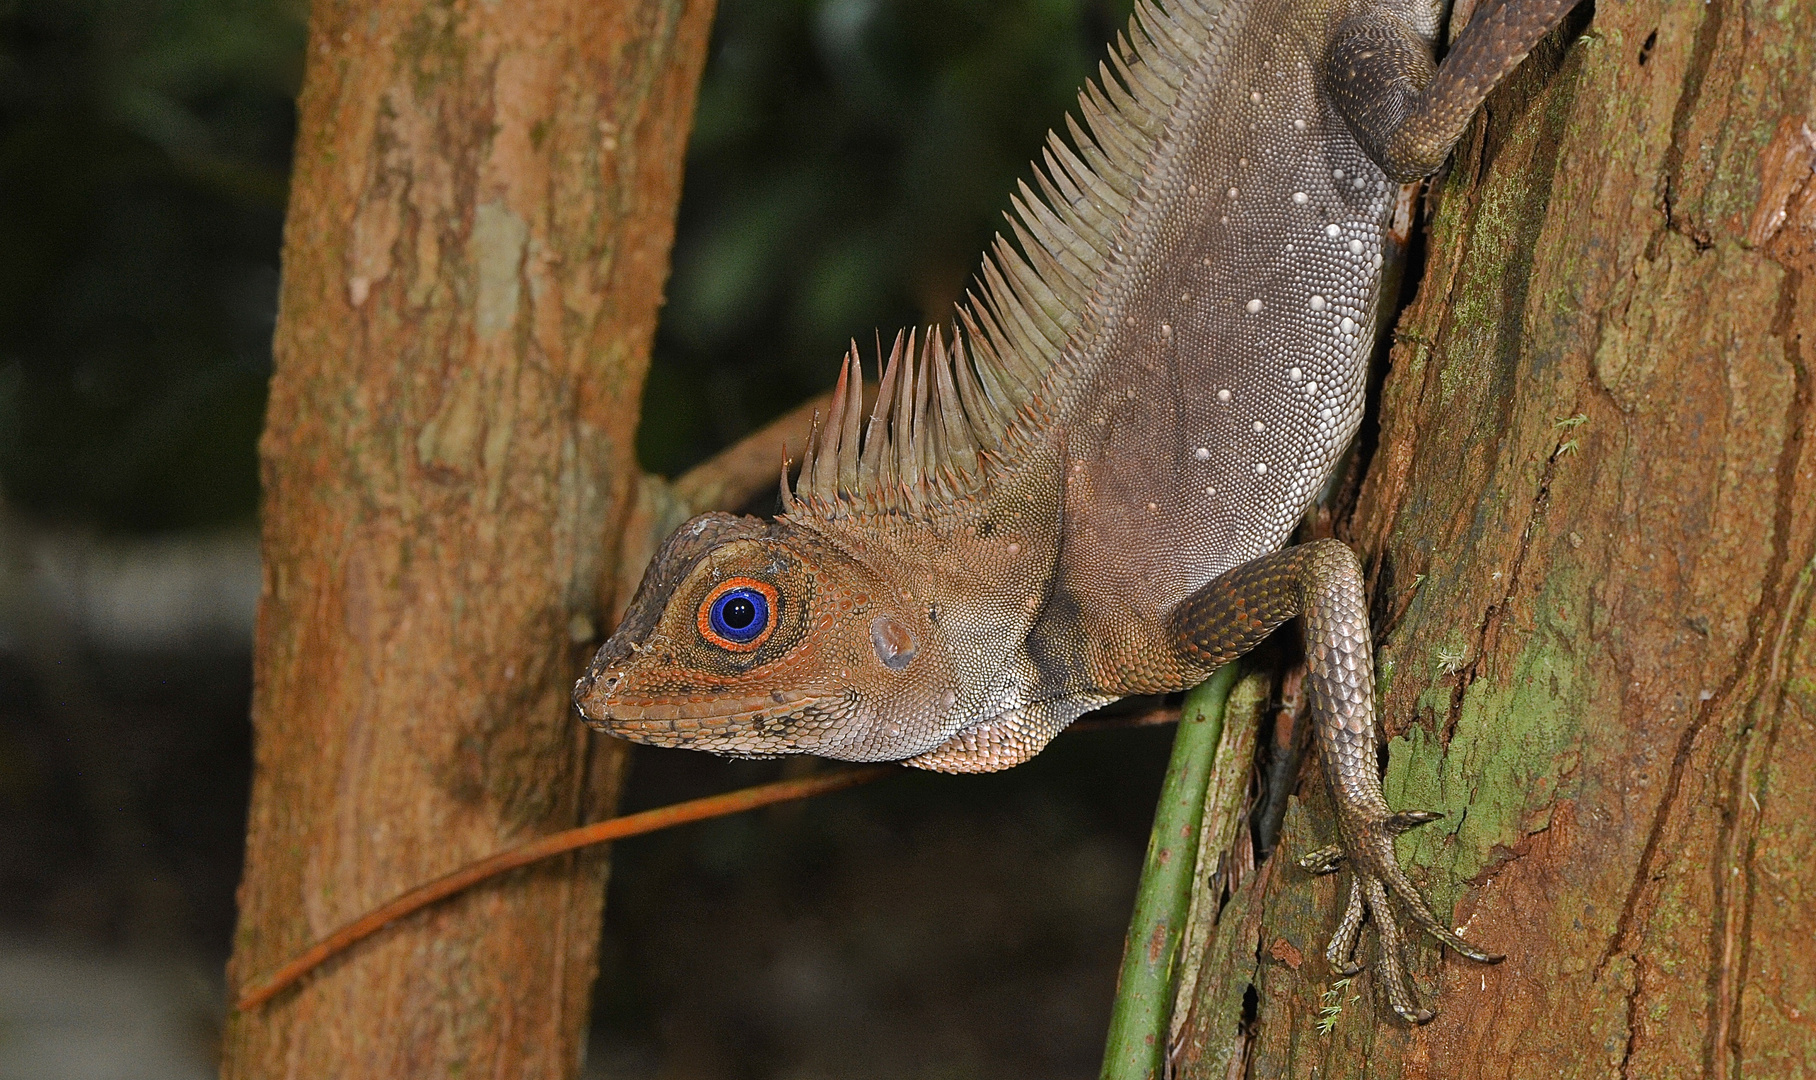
(739, 614)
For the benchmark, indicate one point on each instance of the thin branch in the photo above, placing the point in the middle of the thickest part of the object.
(1162, 714)
(730, 480)
(1150, 969)
(554, 844)
(746, 469)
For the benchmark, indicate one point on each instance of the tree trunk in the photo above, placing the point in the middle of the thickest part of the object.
(1590, 518)
(478, 236)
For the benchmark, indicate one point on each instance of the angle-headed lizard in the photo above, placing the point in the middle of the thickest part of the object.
(1082, 491)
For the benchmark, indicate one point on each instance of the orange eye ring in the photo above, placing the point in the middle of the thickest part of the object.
(739, 614)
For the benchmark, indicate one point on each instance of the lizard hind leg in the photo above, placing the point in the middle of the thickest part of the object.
(1321, 582)
(1405, 112)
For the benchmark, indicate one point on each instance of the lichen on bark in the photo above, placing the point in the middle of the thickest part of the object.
(1591, 540)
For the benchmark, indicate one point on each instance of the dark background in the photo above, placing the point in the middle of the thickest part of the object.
(850, 159)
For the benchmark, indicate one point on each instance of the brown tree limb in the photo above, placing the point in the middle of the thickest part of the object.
(1589, 521)
(474, 256)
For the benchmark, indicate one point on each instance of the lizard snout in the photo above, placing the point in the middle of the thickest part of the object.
(593, 692)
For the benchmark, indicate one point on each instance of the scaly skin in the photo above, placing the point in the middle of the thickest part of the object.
(1087, 496)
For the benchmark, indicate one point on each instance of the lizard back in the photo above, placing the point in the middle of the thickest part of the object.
(1230, 356)
(1180, 341)
(1171, 364)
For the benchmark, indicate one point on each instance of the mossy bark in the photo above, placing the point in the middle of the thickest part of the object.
(1590, 519)
(478, 236)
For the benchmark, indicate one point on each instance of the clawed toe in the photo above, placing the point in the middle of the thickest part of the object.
(1410, 820)
(1346, 940)
(1376, 875)
(1325, 860)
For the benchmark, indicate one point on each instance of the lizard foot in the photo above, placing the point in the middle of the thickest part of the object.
(1375, 875)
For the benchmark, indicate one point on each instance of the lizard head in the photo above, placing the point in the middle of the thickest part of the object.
(755, 638)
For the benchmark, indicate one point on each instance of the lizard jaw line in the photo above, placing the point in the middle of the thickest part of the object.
(673, 723)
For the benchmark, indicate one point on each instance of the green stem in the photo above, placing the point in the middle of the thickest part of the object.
(1150, 955)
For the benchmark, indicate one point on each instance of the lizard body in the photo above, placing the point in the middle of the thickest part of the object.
(1083, 492)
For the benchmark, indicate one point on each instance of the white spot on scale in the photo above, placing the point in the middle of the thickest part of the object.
(1324, 414)
(1294, 374)
(1348, 325)
(1337, 173)
(1377, 260)
(1191, 189)
(1210, 491)
(1242, 162)
(1298, 125)
(1332, 229)
(1311, 388)
(1317, 302)
(1301, 197)
(1235, 192)
(1166, 330)
(1358, 183)
(1260, 467)
(1223, 395)
(1203, 453)
(1255, 96)
(1253, 306)
(1013, 549)
(1355, 247)
(1260, 427)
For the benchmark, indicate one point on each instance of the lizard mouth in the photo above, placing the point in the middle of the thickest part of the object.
(763, 723)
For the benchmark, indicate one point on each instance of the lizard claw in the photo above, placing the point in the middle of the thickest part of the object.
(1325, 860)
(1329, 859)
(1408, 820)
(1376, 875)
(1346, 939)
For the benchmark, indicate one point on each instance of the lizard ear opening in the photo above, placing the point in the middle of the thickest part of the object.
(895, 644)
(739, 614)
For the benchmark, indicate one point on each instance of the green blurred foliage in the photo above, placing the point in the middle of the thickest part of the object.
(144, 150)
(850, 160)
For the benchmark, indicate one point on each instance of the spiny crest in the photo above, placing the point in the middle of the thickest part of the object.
(924, 444)
(946, 419)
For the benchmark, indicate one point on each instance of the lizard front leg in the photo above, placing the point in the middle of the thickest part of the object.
(1322, 583)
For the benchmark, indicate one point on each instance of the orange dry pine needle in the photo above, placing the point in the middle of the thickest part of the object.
(555, 844)
(663, 817)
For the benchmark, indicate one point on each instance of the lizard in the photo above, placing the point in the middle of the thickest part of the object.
(1083, 488)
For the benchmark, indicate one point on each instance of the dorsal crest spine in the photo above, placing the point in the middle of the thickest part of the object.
(956, 407)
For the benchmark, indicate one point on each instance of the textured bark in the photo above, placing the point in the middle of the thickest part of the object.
(1590, 519)
(478, 236)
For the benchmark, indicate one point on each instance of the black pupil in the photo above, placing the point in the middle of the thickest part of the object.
(739, 613)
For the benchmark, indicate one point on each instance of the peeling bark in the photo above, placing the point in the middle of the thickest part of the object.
(478, 237)
(1590, 518)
